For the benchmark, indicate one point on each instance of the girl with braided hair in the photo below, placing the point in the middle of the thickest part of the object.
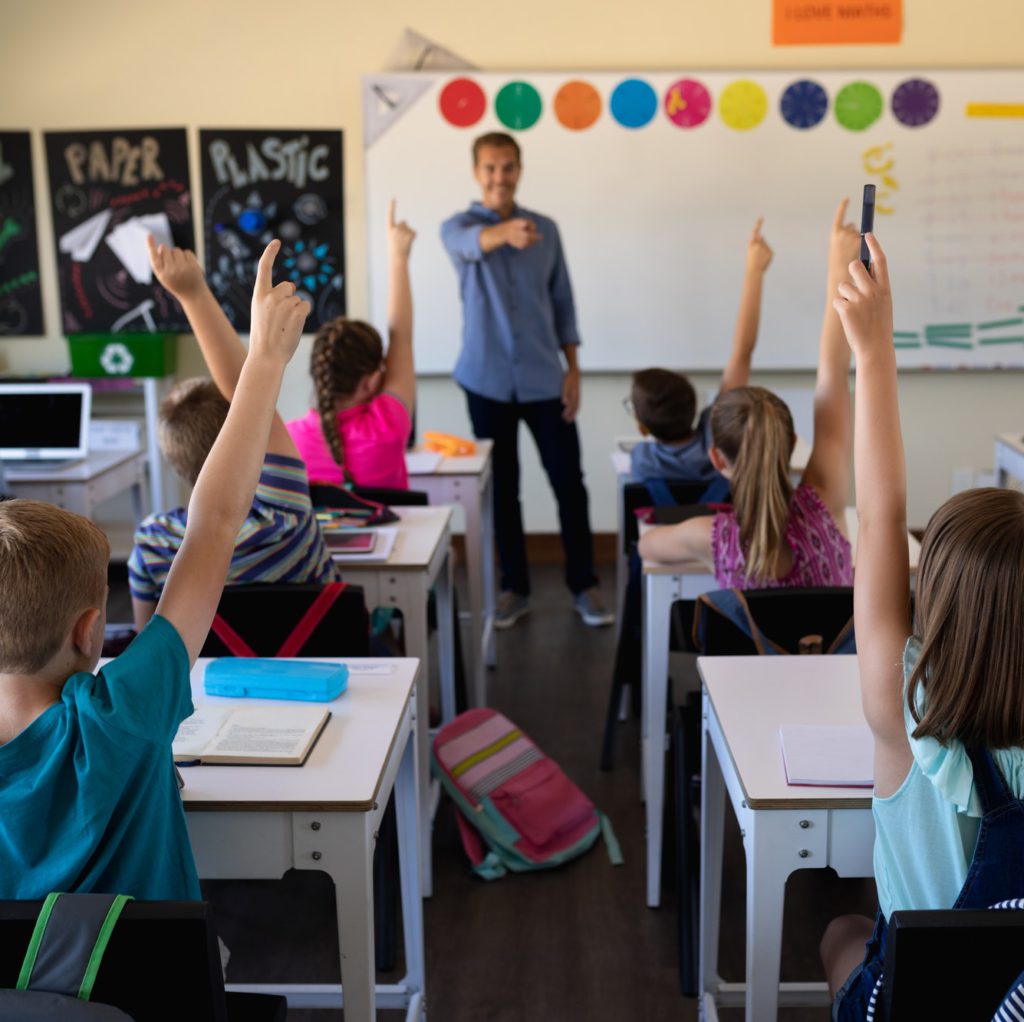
(775, 535)
(365, 398)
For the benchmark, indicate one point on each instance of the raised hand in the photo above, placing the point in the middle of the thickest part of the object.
(759, 252)
(400, 235)
(176, 268)
(864, 303)
(521, 233)
(843, 243)
(277, 314)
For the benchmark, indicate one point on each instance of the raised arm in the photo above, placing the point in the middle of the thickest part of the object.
(881, 583)
(224, 490)
(759, 257)
(828, 469)
(400, 372)
(179, 272)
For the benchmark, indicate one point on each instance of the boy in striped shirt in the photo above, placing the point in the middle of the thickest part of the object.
(280, 540)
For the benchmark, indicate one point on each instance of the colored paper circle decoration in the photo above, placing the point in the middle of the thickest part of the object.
(577, 105)
(687, 103)
(462, 102)
(742, 105)
(915, 102)
(633, 103)
(803, 104)
(858, 105)
(518, 106)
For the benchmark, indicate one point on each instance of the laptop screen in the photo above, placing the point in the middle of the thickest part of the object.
(45, 420)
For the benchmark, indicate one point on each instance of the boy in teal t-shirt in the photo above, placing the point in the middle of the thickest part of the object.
(88, 796)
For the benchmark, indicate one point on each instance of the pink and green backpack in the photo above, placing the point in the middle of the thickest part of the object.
(510, 795)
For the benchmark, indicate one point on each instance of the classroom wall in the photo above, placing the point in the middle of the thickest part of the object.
(228, 63)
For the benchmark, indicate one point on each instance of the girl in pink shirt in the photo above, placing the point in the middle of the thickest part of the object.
(360, 427)
(776, 535)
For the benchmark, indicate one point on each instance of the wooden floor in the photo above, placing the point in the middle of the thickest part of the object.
(575, 943)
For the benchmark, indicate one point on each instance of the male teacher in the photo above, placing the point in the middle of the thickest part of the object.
(518, 363)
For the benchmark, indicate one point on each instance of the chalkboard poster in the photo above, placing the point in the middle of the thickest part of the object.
(108, 190)
(259, 185)
(21, 304)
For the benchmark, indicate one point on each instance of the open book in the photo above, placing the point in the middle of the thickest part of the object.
(270, 735)
(828, 755)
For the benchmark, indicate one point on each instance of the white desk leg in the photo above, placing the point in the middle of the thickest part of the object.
(342, 847)
(407, 803)
(768, 852)
(151, 397)
(657, 609)
(487, 548)
(476, 553)
(446, 639)
(712, 837)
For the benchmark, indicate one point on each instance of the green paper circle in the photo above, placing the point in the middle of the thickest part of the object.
(858, 105)
(518, 106)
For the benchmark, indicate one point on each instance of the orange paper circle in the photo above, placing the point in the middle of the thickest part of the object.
(577, 105)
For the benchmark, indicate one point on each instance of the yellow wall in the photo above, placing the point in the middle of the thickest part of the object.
(225, 63)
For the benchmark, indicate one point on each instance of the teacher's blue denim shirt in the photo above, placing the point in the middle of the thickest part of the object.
(517, 309)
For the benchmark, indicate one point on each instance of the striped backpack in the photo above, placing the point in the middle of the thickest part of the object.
(510, 795)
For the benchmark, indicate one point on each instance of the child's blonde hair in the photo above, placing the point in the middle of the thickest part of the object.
(754, 431)
(190, 418)
(53, 566)
(969, 618)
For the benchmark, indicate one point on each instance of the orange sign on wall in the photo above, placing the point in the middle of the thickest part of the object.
(825, 22)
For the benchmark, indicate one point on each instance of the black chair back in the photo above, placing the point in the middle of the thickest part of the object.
(636, 495)
(264, 616)
(951, 964)
(324, 495)
(783, 615)
(162, 962)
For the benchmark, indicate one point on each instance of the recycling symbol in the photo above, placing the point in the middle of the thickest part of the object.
(116, 359)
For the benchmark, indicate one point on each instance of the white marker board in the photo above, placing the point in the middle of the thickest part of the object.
(654, 219)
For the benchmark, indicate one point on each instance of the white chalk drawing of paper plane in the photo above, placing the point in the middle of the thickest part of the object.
(128, 241)
(386, 99)
(81, 241)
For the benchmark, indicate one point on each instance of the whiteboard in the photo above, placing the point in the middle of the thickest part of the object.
(654, 219)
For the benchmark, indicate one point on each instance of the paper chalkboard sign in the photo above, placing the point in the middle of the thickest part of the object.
(108, 189)
(21, 304)
(263, 184)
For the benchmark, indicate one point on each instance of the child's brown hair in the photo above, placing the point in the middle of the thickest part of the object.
(969, 617)
(753, 429)
(344, 351)
(664, 403)
(53, 566)
(190, 418)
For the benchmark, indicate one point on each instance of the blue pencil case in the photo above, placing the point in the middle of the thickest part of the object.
(269, 678)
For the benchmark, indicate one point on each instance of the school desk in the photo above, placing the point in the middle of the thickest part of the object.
(467, 482)
(255, 822)
(419, 561)
(620, 463)
(84, 484)
(1009, 458)
(784, 828)
(663, 585)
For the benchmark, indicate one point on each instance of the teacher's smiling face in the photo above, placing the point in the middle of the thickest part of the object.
(497, 172)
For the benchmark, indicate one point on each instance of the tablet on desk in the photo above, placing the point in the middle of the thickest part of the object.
(350, 542)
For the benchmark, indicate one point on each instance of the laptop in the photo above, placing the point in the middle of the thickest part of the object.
(44, 425)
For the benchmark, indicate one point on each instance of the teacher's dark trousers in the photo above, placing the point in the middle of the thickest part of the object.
(558, 443)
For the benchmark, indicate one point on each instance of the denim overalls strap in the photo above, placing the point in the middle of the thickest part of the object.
(996, 872)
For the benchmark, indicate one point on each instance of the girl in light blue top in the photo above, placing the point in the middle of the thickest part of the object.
(944, 699)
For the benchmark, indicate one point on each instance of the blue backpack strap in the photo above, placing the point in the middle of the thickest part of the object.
(660, 493)
(67, 945)
(717, 492)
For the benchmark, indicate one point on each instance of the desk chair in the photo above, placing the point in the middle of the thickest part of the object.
(628, 663)
(951, 964)
(325, 495)
(786, 617)
(162, 962)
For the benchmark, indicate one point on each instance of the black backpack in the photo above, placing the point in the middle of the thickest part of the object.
(62, 960)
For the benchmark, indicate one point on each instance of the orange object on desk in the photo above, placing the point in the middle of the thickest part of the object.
(448, 444)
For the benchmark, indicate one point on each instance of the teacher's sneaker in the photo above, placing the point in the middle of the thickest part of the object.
(511, 607)
(591, 608)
